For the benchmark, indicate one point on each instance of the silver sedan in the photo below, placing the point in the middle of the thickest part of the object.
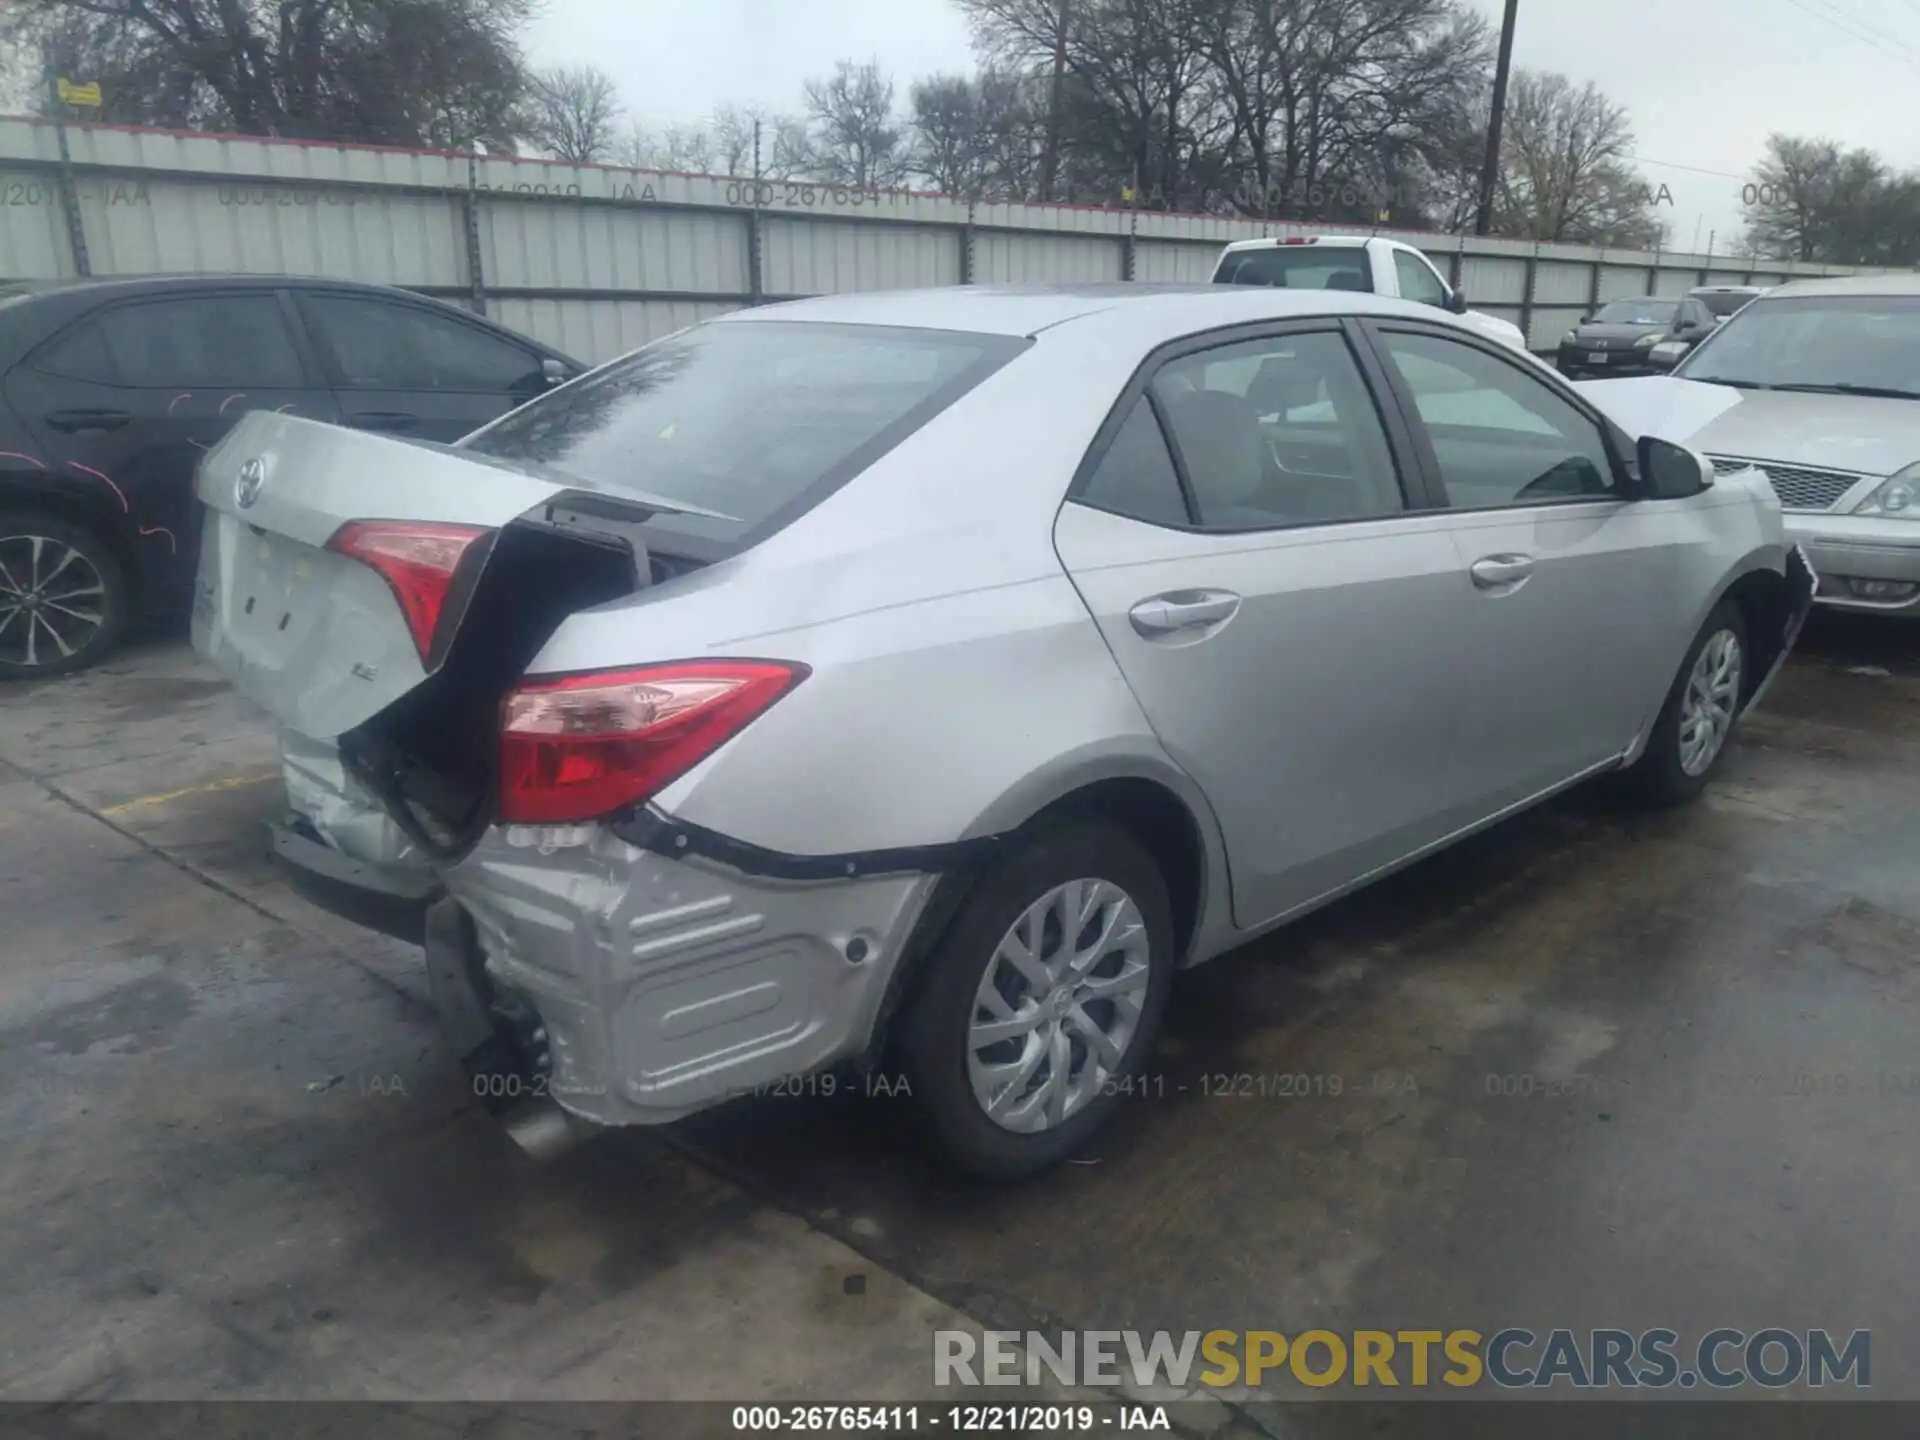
(938, 673)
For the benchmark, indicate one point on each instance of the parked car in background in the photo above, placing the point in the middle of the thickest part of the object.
(112, 390)
(1818, 384)
(1722, 302)
(757, 717)
(1372, 264)
(1620, 337)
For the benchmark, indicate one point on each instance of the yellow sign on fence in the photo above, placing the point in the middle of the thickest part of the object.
(88, 94)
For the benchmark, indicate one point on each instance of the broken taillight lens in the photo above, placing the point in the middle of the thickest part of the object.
(419, 560)
(579, 747)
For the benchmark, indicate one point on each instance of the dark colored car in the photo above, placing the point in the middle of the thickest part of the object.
(1618, 339)
(112, 390)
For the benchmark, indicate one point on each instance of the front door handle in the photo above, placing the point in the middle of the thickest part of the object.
(385, 420)
(69, 422)
(1182, 610)
(1497, 571)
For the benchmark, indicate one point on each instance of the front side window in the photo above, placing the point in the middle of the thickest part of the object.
(1278, 432)
(381, 345)
(1417, 280)
(1500, 436)
(1723, 302)
(746, 418)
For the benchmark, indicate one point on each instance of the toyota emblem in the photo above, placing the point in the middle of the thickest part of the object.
(246, 489)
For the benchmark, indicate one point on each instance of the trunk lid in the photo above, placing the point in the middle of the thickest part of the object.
(316, 638)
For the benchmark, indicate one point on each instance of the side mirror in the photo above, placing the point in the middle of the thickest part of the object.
(1457, 301)
(1669, 471)
(554, 373)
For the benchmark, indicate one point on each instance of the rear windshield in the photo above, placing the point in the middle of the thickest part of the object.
(1297, 267)
(1722, 302)
(756, 420)
(1638, 312)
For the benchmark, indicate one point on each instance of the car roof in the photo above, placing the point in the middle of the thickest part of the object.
(121, 285)
(1901, 283)
(1727, 290)
(1158, 312)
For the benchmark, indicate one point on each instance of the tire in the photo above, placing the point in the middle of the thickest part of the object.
(83, 619)
(1044, 1120)
(1667, 772)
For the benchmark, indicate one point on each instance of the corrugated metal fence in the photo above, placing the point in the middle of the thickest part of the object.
(597, 260)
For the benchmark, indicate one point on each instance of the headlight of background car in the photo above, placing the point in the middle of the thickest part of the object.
(1569, 338)
(1897, 498)
(1645, 340)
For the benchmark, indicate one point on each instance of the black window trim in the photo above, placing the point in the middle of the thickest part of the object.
(1618, 445)
(268, 287)
(1415, 487)
(336, 378)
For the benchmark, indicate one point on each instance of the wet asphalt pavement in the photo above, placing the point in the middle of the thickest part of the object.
(1589, 1069)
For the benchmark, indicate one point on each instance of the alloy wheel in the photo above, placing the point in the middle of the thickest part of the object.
(53, 601)
(1059, 1005)
(1711, 700)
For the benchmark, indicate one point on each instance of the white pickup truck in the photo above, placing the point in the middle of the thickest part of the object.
(1354, 262)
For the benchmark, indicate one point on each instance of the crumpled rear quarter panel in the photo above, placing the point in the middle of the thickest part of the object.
(668, 985)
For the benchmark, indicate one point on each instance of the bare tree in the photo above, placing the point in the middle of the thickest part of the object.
(1811, 200)
(575, 112)
(441, 72)
(852, 135)
(1564, 167)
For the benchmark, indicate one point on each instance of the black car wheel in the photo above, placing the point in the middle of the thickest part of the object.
(63, 596)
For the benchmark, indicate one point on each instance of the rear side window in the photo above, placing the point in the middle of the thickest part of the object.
(379, 345)
(754, 420)
(78, 353)
(215, 341)
(237, 342)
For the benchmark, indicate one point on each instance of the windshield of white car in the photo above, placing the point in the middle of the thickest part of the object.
(758, 421)
(1637, 312)
(1863, 344)
(1302, 267)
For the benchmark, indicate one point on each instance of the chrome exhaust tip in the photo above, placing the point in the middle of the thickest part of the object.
(544, 1130)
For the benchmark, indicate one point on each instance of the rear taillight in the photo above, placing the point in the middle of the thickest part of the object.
(419, 560)
(583, 746)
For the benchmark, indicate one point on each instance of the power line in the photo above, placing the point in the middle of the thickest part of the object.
(1846, 22)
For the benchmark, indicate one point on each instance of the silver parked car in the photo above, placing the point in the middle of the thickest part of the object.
(945, 670)
(1818, 384)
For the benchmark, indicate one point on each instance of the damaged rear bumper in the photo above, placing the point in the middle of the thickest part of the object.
(664, 983)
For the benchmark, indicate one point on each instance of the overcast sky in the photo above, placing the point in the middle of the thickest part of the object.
(1704, 81)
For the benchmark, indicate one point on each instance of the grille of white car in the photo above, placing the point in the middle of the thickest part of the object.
(1798, 486)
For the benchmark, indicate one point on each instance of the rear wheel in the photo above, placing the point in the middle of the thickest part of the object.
(63, 596)
(1042, 999)
(1698, 719)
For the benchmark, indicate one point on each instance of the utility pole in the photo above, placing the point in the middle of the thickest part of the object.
(1490, 167)
(1050, 151)
(69, 190)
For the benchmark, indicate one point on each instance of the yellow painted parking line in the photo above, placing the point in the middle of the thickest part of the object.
(211, 787)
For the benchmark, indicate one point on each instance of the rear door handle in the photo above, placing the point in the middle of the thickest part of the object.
(69, 422)
(1494, 571)
(1180, 610)
(385, 420)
